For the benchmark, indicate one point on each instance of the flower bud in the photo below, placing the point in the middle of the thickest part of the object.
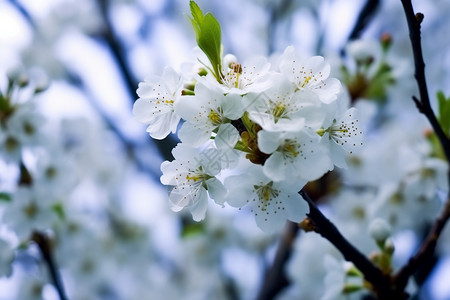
(380, 230)
(389, 246)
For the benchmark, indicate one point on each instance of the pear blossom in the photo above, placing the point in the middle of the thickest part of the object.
(272, 202)
(342, 136)
(206, 112)
(6, 258)
(240, 79)
(310, 74)
(192, 179)
(343, 281)
(10, 149)
(28, 211)
(25, 125)
(404, 206)
(294, 154)
(155, 106)
(305, 268)
(280, 108)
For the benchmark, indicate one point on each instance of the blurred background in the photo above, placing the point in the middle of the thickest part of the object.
(118, 239)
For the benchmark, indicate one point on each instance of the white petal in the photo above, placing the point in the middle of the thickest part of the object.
(143, 110)
(268, 142)
(199, 209)
(216, 190)
(278, 168)
(162, 125)
(271, 217)
(329, 91)
(232, 105)
(172, 79)
(296, 207)
(239, 190)
(193, 135)
(188, 107)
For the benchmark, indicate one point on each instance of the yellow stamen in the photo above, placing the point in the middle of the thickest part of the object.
(195, 177)
(266, 193)
(290, 147)
(278, 110)
(236, 84)
(307, 79)
(215, 117)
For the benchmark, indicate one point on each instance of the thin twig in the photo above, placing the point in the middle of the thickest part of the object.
(22, 10)
(43, 244)
(428, 246)
(130, 146)
(117, 50)
(414, 21)
(365, 16)
(119, 54)
(275, 279)
(426, 249)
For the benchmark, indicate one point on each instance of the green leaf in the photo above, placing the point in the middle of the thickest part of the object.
(197, 18)
(444, 112)
(5, 197)
(58, 209)
(208, 36)
(193, 229)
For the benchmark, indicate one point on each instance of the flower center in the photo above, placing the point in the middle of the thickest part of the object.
(266, 193)
(278, 110)
(196, 177)
(215, 117)
(290, 148)
(306, 81)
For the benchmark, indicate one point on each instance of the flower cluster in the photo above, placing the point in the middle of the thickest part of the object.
(272, 126)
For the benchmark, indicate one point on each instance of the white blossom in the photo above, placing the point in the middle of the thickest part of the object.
(272, 202)
(192, 180)
(310, 74)
(155, 106)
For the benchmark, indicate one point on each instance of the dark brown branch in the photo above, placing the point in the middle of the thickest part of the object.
(426, 249)
(275, 279)
(414, 21)
(328, 230)
(365, 16)
(428, 246)
(119, 54)
(44, 246)
(117, 50)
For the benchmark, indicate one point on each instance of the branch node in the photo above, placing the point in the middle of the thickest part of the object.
(418, 103)
(419, 18)
(307, 225)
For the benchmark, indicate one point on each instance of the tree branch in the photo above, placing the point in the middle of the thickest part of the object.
(366, 14)
(43, 243)
(428, 246)
(414, 21)
(426, 249)
(164, 146)
(379, 281)
(275, 279)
